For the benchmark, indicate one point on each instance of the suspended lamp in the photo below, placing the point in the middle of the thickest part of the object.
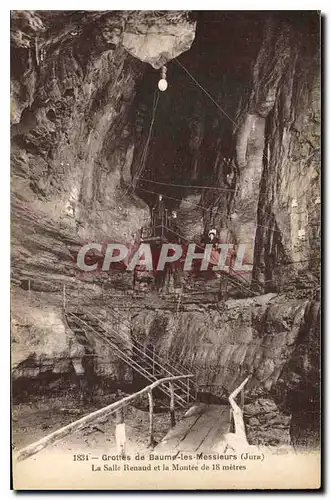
(163, 84)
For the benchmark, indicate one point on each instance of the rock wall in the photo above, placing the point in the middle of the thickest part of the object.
(43, 343)
(273, 338)
(253, 140)
(72, 139)
(77, 138)
(81, 115)
(289, 202)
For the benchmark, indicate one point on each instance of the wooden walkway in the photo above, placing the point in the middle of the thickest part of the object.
(201, 429)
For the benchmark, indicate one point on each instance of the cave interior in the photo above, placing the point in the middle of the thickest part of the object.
(233, 143)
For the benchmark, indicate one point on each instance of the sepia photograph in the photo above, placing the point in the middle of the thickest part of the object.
(165, 198)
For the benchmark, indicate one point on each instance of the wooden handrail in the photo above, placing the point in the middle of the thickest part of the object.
(120, 353)
(165, 363)
(39, 445)
(137, 367)
(239, 425)
(138, 345)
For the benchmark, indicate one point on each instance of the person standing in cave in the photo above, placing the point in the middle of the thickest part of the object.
(158, 217)
(229, 172)
(230, 178)
(212, 238)
(173, 226)
(158, 275)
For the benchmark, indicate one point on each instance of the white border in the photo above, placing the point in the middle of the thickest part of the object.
(324, 6)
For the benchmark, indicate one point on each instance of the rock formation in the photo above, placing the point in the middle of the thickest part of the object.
(241, 117)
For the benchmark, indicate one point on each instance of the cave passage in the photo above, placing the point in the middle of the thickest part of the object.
(103, 161)
(191, 133)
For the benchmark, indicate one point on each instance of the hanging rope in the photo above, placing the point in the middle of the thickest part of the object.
(200, 206)
(231, 120)
(210, 97)
(144, 155)
(188, 185)
(205, 91)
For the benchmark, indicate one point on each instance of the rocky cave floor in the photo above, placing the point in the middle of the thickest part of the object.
(35, 419)
(42, 406)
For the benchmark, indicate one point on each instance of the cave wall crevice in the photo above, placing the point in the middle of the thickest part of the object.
(81, 108)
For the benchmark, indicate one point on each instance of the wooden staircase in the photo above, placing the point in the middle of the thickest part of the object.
(140, 358)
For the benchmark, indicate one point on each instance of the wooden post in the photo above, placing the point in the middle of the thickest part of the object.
(231, 421)
(83, 422)
(120, 434)
(134, 278)
(172, 405)
(220, 292)
(64, 297)
(153, 221)
(242, 400)
(120, 438)
(119, 416)
(166, 218)
(153, 365)
(150, 400)
(179, 300)
(239, 425)
(226, 288)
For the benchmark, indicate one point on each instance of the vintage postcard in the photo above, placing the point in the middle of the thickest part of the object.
(165, 250)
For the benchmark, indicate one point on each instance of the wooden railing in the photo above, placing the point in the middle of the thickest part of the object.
(93, 417)
(142, 354)
(232, 276)
(169, 365)
(237, 412)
